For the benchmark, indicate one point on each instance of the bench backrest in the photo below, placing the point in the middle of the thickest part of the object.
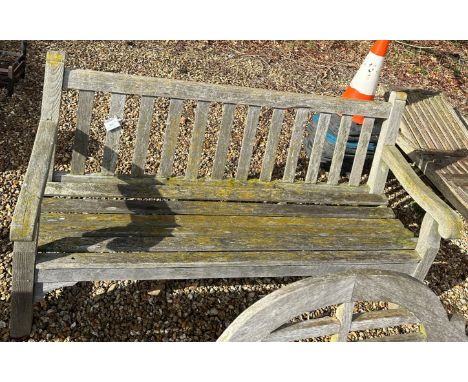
(258, 104)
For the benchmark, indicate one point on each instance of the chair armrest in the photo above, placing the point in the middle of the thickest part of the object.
(27, 209)
(450, 224)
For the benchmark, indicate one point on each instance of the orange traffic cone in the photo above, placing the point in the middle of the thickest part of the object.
(364, 82)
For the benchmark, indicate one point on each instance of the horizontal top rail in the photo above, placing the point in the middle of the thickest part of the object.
(161, 87)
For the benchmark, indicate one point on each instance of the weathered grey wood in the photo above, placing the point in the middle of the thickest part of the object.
(172, 207)
(223, 141)
(27, 208)
(142, 135)
(248, 142)
(160, 87)
(450, 224)
(196, 142)
(41, 289)
(340, 147)
(272, 145)
(246, 259)
(305, 329)
(57, 226)
(22, 288)
(316, 154)
(388, 135)
(170, 137)
(428, 246)
(112, 141)
(223, 242)
(271, 312)
(344, 314)
(361, 152)
(181, 272)
(295, 144)
(52, 92)
(224, 191)
(383, 319)
(421, 301)
(83, 124)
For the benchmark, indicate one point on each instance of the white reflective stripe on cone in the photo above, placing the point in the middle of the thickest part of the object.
(366, 78)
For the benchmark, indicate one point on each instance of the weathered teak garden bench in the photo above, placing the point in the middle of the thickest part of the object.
(81, 227)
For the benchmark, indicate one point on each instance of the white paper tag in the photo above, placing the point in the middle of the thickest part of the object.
(112, 123)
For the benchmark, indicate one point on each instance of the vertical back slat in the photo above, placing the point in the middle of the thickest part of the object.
(196, 141)
(248, 141)
(223, 141)
(170, 137)
(340, 147)
(83, 123)
(272, 145)
(142, 135)
(361, 151)
(111, 146)
(317, 148)
(295, 144)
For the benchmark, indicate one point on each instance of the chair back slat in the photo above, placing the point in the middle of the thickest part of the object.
(248, 142)
(272, 145)
(142, 135)
(112, 140)
(295, 144)
(83, 123)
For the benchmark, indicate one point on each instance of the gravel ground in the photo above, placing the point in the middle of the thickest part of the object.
(199, 310)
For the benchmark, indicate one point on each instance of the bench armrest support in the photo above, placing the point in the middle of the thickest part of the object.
(27, 209)
(449, 223)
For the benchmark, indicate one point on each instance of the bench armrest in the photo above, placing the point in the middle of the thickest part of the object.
(27, 209)
(450, 224)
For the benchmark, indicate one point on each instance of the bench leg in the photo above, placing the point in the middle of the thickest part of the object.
(24, 257)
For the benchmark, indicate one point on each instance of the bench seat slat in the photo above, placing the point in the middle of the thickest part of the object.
(222, 190)
(184, 207)
(112, 142)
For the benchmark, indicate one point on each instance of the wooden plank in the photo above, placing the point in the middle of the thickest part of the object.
(388, 135)
(224, 242)
(223, 141)
(83, 124)
(170, 137)
(142, 135)
(229, 191)
(428, 246)
(52, 94)
(27, 208)
(24, 256)
(316, 153)
(194, 259)
(450, 224)
(340, 148)
(361, 152)
(324, 326)
(248, 142)
(344, 313)
(171, 207)
(295, 144)
(196, 142)
(383, 319)
(160, 87)
(112, 141)
(272, 145)
(55, 226)
(207, 272)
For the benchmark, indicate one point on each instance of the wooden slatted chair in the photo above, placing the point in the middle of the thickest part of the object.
(81, 227)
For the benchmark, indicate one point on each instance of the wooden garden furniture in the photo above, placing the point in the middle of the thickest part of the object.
(76, 226)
